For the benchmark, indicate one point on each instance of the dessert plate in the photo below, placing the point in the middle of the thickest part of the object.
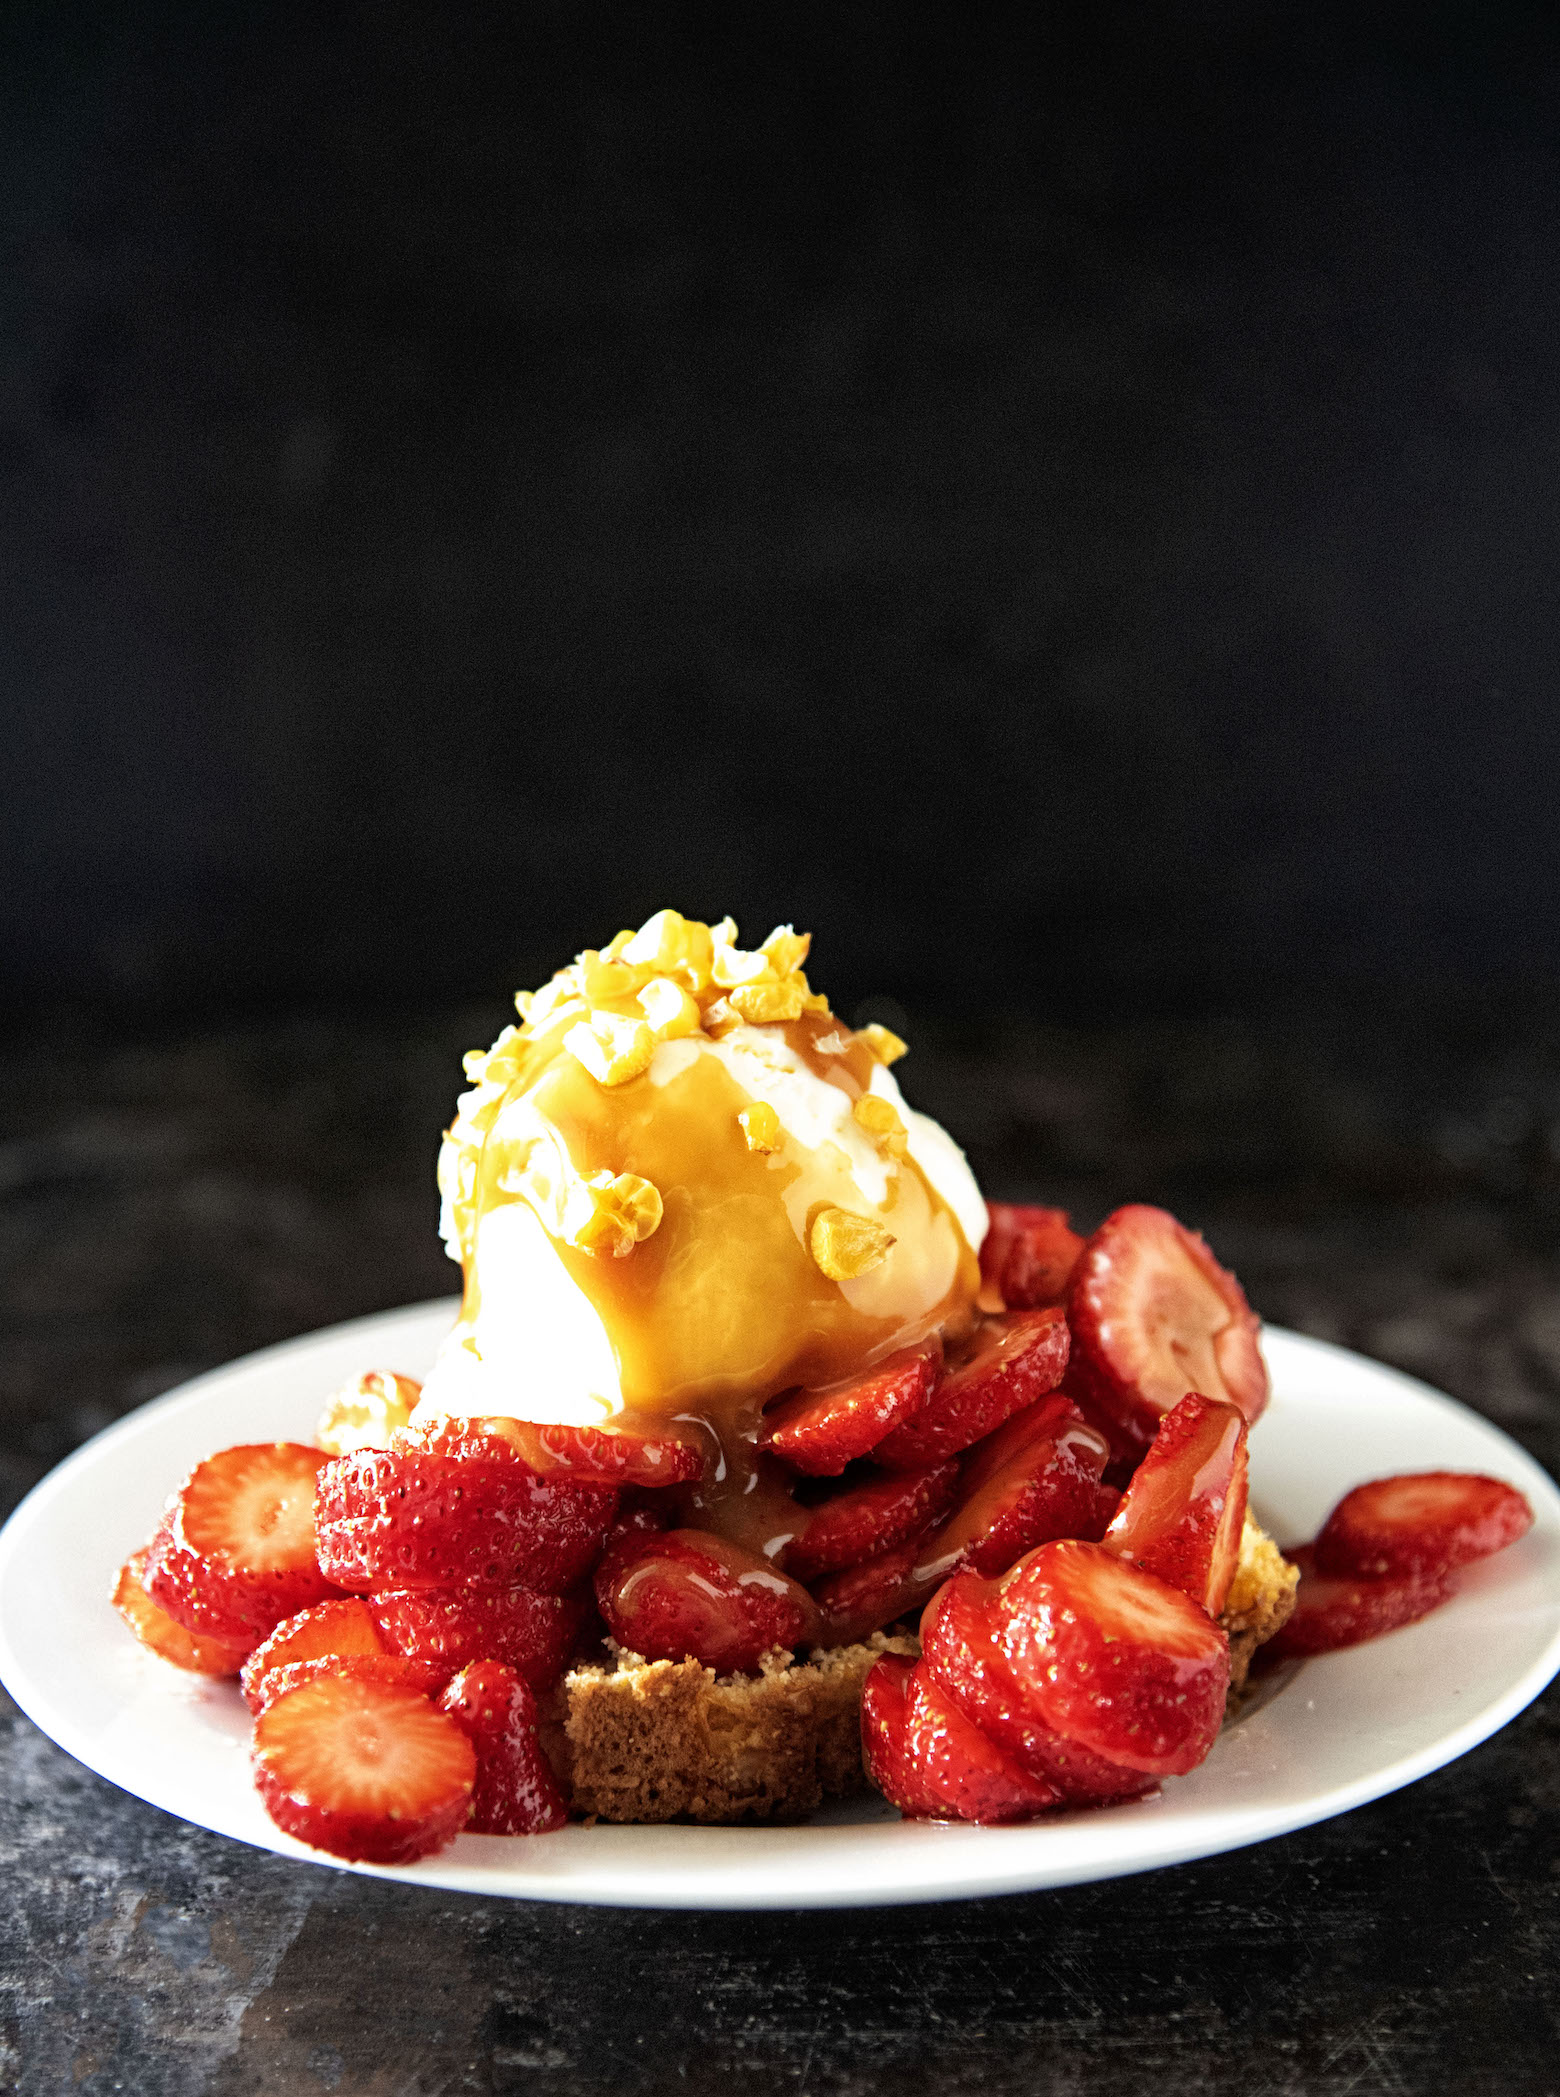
(1341, 1731)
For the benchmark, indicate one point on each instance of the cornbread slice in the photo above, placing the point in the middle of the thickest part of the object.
(1261, 1598)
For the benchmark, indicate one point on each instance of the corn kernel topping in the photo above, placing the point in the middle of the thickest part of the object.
(611, 1047)
(881, 1121)
(364, 1415)
(670, 1012)
(761, 1126)
(844, 1246)
(612, 1214)
(884, 1043)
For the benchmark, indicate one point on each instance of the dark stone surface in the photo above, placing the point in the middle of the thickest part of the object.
(1395, 1185)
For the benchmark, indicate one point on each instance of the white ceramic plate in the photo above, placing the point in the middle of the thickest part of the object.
(1344, 1730)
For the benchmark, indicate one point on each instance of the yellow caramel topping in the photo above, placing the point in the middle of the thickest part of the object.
(761, 1126)
(845, 1247)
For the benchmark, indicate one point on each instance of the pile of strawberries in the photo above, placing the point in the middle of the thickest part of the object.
(1063, 1498)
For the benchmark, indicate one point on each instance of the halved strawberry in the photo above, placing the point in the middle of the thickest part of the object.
(1184, 1510)
(515, 1792)
(1123, 1664)
(1332, 1612)
(1420, 1524)
(1037, 1477)
(363, 1770)
(1153, 1316)
(328, 1630)
(598, 1456)
(235, 1553)
(448, 1628)
(165, 1635)
(408, 1518)
(964, 1775)
(863, 1598)
(689, 1595)
(387, 1670)
(870, 1518)
(884, 1712)
(823, 1430)
(1012, 1361)
(1028, 1254)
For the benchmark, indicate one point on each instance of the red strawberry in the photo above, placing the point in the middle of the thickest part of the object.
(408, 1518)
(688, 1594)
(598, 1456)
(863, 1598)
(163, 1634)
(961, 1774)
(868, 1519)
(1120, 1663)
(1420, 1525)
(235, 1553)
(1184, 1510)
(365, 1771)
(1013, 1361)
(516, 1792)
(1153, 1316)
(1028, 1254)
(448, 1628)
(1331, 1613)
(884, 1712)
(821, 1431)
(1037, 1477)
(387, 1670)
(328, 1630)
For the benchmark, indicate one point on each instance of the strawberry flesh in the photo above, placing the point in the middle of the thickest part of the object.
(866, 1520)
(236, 1550)
(389, 1670)
(686, 1594)
(1420, 1525)
(1028, 1254)
(821, 1431)
(884, 1712)
(448, 1628)
(165, 1635)
(596, 1456)
(1037, 1477)
(1332, 1611)
(1013, 1361)
(960, 1772)
(327, 1631)
(863, 1598)
(515, 1792)
(1183, 1513)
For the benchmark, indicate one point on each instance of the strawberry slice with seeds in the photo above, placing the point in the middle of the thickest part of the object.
(962, 1774)
(363, 1770)
(1123, 1665)
(330, 1630)
(866, 1520)
(515, 1792)
(598, 1456)
(1036, 1478)
(1153, 1316)
(163, 1634)
(687, 1594)
(863, 1598)
(388, 1670)
(821, 1431)
(1013, 1361)
(884, 1713)
(1028, 1254)
(405, 1517)
(1420, 1525)
(447, 1629)
(1183, 1513)
(1332, 1612)
(236, 1551)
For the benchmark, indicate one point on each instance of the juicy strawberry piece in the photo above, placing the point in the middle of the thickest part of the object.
(884, 1712)
(863, 1598)
(1420, 1525)
(1184, 1510)
(1118, 1662)
(1028, 1255)
(163, 1634)
(1153, 1316)
(688, 1594)
(1334, 1612)
(1037, 1477)
(448, 1628)
(964, 1652)
(516, 1792)
(962, 1774)
(1014, 1360)
(589, 1455)
(363, 1770)
(866, 1520)
(329, 1630)
(235, 1553)
(388, 1670)
(408, 1518)
(821, 1431)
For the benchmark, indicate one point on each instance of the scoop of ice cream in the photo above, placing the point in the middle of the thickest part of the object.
(681, 1185)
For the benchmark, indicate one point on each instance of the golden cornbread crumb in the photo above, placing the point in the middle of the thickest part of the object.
(1261, 1598)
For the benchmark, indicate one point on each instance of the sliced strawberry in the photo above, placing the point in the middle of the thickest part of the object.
(365, 1414)
(868, 1519)
(516, 1792)
(884, 1712)
(163, 1634)
(408, 1518)
(1184, 1510)
(1013, 1361)
(448, 1628)
(863, 1598)
(1037, 1477)
(235, 1553)
(598, 1456)
(823, 1430)
(690, 1595)
(1333, 1612)
(1153, 1316)
(961, 1773)
(363, 1770)
(962, 1638)
(328, 1630)
(1420, 1525)
(1028, 1254)
(388, 1670)
(1114, 1660)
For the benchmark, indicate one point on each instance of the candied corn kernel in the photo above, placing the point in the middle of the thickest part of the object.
(612, 1048)
(673, 945)
(603, 980)
(670, 1012)
(720, 1018)
(761, 1126)
(844, 1246)
(767, 1004)
(624, 1209)
(613, 949)
(365, 1414)
(881, 1121)
(884, 1043)
(733, 965)
(787, 949)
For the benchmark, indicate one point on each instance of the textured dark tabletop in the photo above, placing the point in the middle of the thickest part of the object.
(1390, 1180)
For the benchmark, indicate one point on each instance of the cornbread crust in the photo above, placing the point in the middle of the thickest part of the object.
(1261, 1598)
